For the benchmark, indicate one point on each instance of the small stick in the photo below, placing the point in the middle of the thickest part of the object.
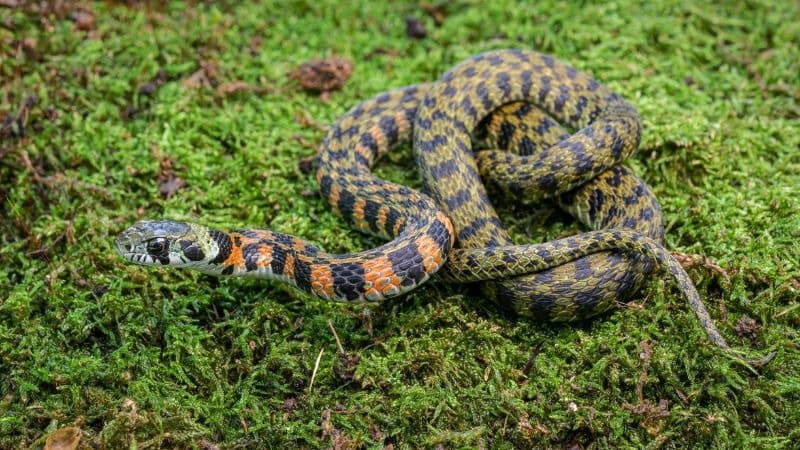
(529, 365)
(338, 342)
(316, 367)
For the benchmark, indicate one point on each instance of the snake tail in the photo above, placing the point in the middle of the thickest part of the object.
(471, 265)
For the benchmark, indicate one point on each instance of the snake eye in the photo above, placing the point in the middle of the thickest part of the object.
(158, 246)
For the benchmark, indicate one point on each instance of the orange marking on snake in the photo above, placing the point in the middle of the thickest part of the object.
(380, 280)
(378, 136)
(402, 123)
(374, 269)
(401, 222)
(333, 199)
(392, 285)
(364, 151)
(264, 255)
(380, 221)
(299, 246)
(288, 267)
(447, 223)
(322, 280)
(235, 258)
(432, 258)
(358, 214)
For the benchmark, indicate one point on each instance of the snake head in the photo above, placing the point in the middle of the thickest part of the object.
(165, 242)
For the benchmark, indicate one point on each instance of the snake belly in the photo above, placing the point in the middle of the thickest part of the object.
(560, 282)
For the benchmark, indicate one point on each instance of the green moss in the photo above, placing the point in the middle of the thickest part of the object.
(168, 359)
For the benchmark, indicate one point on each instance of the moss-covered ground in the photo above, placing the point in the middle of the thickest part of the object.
(117, 111)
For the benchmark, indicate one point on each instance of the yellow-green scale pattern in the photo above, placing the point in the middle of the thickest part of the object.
(607, 126)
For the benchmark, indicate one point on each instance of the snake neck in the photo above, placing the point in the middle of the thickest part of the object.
(386, 271)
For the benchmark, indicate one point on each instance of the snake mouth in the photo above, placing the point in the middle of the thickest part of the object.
(124, 250)
(128, 252)
(139, 258)
(126, 247)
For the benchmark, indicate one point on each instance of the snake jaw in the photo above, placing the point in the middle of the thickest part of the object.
(162, 242)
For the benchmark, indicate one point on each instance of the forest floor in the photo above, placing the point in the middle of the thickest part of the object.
(112, 112)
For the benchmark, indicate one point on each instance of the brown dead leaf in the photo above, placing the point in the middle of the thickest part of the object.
(197, 80)
(305, 143)
(651, 413)
(339, 440)
(323, 75)
(747, 327)
(304, 119)
(170, 186)
(84, 20)
(168, 182)
(63, 439)
(9, 3)
(375, 433)
(29, 45)
(691, 260)
(204, 77)
(345, 366)
(436, 12)
(233, 87)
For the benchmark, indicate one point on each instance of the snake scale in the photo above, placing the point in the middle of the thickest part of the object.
(508, 105)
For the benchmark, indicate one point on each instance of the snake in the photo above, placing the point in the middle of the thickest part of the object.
(503, 116)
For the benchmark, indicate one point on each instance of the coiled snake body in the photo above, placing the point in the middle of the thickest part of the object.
(511, 101)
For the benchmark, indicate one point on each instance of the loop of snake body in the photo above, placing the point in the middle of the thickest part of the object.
(510, 103)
